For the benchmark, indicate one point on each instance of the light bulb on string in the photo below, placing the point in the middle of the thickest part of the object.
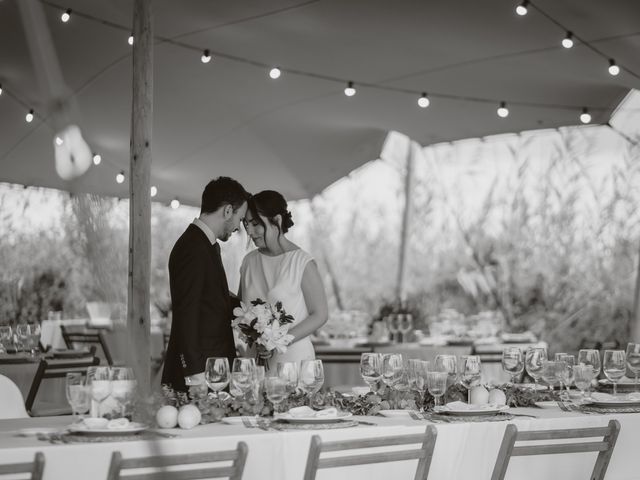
(613, 68)
(97, 158)
(522, 9)
(503, 111)
(66, 16)
(59, 141)
(29, 116)
(130, 40)
(350, 91)
(275, 73)
(206, 56)
(154, 191)
(423, 101)
(0, 89)
(175, 203)
(567, 42)
(120, 177)
(585, 117)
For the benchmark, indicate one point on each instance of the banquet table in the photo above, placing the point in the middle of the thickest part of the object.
(463, 450)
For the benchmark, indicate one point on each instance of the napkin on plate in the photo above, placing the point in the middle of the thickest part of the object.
(306, 412)
(118, 423)
(461, 406)
(607, 397)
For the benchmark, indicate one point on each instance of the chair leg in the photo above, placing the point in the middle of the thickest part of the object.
(313, 458)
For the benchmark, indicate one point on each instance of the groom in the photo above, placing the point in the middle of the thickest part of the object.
(201, 302)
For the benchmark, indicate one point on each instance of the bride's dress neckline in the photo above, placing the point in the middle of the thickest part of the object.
(279, 254)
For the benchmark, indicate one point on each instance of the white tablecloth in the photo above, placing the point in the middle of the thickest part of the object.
(463, 451)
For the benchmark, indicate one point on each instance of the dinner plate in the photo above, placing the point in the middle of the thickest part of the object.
(287, 417)
(547, 404)
(394, 413)
(32, 432)
(471, 411)
(133, 427)
(237, 420)
(613, 403)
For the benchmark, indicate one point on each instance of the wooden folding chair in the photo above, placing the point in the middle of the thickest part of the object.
(424, 453)
(48, 370)
(35, 468)
(509, 448)
(75, 339)
(159, 464)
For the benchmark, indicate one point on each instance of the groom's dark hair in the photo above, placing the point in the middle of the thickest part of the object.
(223, 191)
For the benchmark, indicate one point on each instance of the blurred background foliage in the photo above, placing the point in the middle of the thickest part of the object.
(542, 228)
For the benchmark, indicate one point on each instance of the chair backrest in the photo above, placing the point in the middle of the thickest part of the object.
(509, 449)
(424, 453)
(35, 468)
(55, 370)
(11, 401)
(74, 339)
(157, 466)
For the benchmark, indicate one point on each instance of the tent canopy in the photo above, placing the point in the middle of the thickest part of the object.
(300, 133)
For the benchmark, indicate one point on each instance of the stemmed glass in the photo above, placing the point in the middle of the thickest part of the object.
(123, 387)
(633, 360)
(392, 325)
(512, 362)
(469, 372)
(22, 335)
(99, 381)
(549, 369)
(290, 373)
(614, 366)
(77, 394)
(533, 361)
(392, 369)
(405, 325)
(590, 357)
(276, 388)
(449, 364)
(565, 374)
(311, 378)
(33, 338)
(437, 385)
(216, 374)
(371, 368)
(413, 369)
(6, 336)
(583, 374)
(242, 376)
(421, 369)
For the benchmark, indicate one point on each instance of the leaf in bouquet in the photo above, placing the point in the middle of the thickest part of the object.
(258, 301)
(278, 306)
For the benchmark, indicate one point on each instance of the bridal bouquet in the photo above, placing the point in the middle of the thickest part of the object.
(263, 325)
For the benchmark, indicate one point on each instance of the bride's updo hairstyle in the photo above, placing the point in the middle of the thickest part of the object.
(270, 203)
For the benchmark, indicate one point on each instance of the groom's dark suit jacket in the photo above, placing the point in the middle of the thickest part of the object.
(201, 308)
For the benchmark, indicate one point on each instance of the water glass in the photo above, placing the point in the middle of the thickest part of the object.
(33, 339)
(99, 382)
(311, 377)
(216, 373)
(240, 384)
(469, 372)
(583, 374)
(549, 372)
(564, 373)
(413, 372)
(392, 324)
(405, 325)
(245, 365)
(392, 369)
(6, 338)
(614, 366)
(22, 336)
(437, 385)
(77, 394)
(513, 362)
(633, 360)
(276, 388)
(449, 364)
(421, 370)
(123, 387)
(533, 362)
(371, 368)
(590, 357)
(290, 373)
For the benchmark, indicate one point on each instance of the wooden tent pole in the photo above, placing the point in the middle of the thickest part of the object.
(138, 321)
(406, 223)
(635, 320)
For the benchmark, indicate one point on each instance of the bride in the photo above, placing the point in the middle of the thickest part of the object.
(278, 270)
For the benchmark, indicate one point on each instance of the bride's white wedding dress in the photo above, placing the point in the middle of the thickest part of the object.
(274, 279)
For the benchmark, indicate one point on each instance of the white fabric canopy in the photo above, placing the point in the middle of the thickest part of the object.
(300, 133)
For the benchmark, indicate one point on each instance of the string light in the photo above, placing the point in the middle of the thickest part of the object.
(0, 89)
(585, 117)
(59, 141)
(613, 68)
(567, 42)
(97, 158)
(350, 91)
(154, 191)
(503, 111)
(120, 177)
(29, 116)
(423, 101)
(130, 40)
(66, 15)
(206, 56)
(275, 73)
(175, 203)
(522, 8)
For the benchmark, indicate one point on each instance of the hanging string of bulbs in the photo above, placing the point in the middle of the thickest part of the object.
(423, 98)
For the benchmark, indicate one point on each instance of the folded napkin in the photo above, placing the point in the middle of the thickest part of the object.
(461, 406)
(118, 423)
(306, 412)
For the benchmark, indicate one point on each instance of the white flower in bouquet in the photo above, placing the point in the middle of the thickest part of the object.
(275, 337)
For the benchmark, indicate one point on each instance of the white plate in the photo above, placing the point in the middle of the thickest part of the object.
(287, 417)
(237, 420)
(530, 386)
(32, 432)
(131, 428)
(547, 404)
(614, 403)
(471, 411)
(394, 413)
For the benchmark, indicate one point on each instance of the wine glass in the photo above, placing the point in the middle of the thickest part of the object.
(392, 370)
(290, 373)
(413, 369)
(244, 365)
(22, 335)
(449, 364)
(371, 368)
(549, 369)
(216, 374)
(590, 357)
(311, 377)
(6, 336)
(421, 370)
(533, 361)
(77, 394)
(99, 381)
(633, 360)
(392, 324)
(123, 387)
(437, 385)
(583, 374)
(512, 362)
(33, 339)
(276, 388)
(614, 366)
(565, 374)
(469, 372)
(240, 384)
(405, 325)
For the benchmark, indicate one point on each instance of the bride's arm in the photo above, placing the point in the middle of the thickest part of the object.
(316, 300)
